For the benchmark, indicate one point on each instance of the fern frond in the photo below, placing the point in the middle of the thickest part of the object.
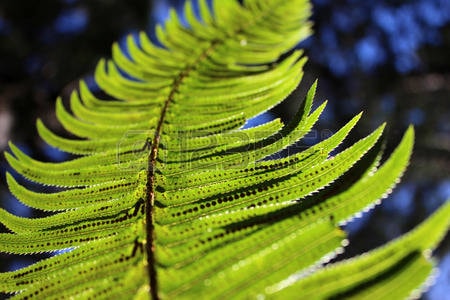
(171, 198)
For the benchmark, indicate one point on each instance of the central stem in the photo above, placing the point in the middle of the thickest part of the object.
(151, 175)
(150, 245)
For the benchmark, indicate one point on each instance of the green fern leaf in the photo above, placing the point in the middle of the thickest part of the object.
(169, 198)
(393, 271)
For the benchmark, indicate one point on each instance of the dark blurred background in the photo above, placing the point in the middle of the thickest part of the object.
(388, 58)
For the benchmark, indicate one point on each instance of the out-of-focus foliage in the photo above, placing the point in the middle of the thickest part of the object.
(367, 35)
(45, 44)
